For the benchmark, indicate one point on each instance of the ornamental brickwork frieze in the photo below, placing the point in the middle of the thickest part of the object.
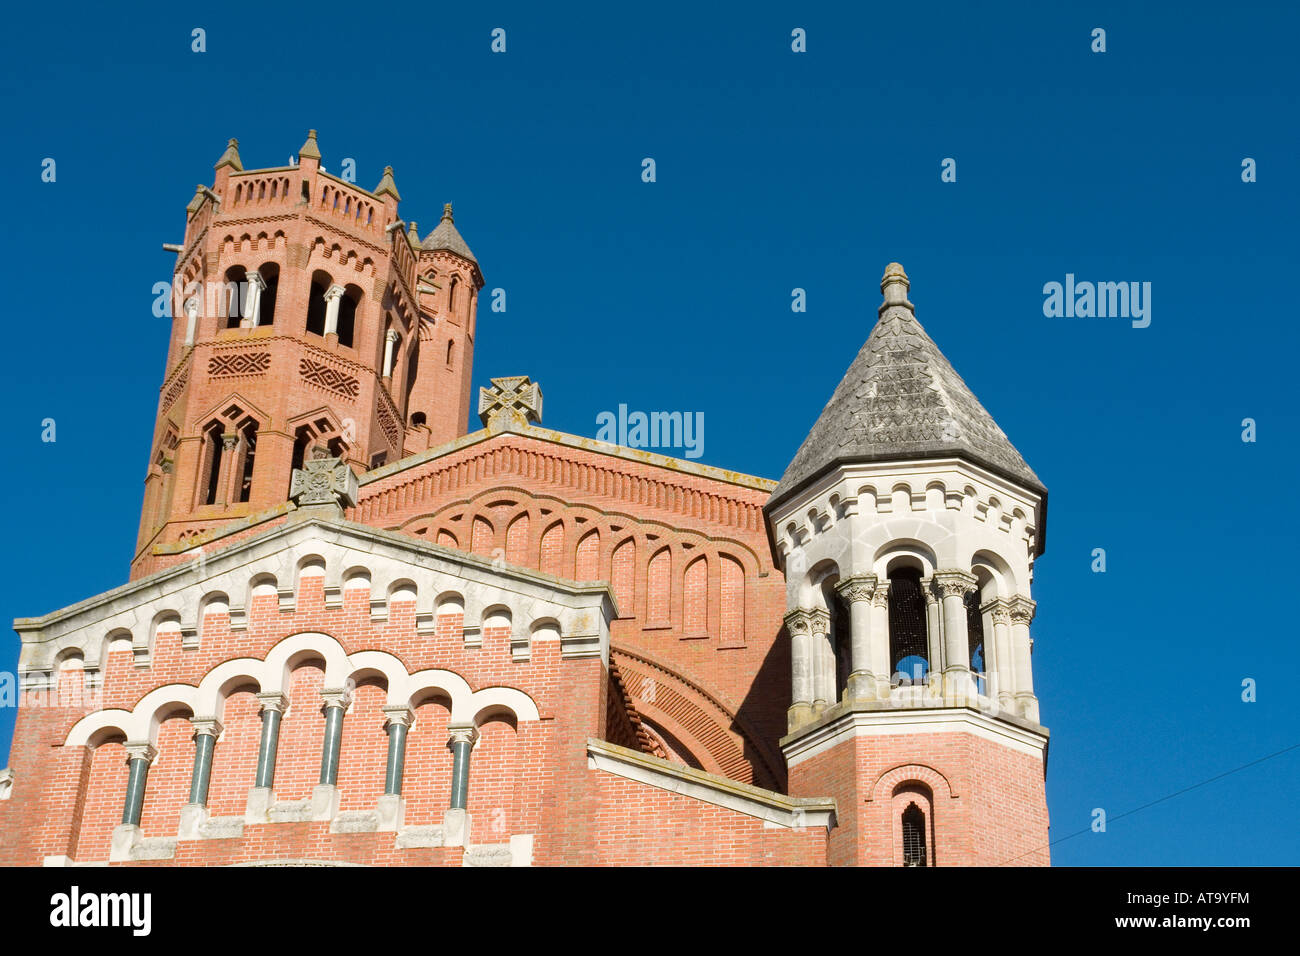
(239, 363)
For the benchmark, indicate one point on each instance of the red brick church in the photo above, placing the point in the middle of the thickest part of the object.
(357, 633)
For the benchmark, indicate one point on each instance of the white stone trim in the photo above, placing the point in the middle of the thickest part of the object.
(775, 809)
(467, 706)
(914, 723)
(581, 612)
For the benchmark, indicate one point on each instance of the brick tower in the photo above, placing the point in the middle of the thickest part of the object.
(305, 313)
(907, 527)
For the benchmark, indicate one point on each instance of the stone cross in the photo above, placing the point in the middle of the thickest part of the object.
(510, 402)
(323, 480)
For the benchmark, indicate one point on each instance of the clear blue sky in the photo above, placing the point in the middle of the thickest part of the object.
(775, 170)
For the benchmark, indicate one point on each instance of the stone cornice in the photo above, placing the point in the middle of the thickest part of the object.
(304, 525)
(774, 808)
(866, 719)
(678, 465)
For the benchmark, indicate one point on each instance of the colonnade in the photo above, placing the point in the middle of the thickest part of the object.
(1007, 677)
(397, 723)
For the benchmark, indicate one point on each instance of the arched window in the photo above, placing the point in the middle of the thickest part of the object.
(450, 343)
(914, 848)
(235, 295)
(348, 315)
(270, 274)
(909, 646)
(210, 473)
(418, 419)
(451, 294)
(316, 305)
(248, 441)
(975, 639)
(840, 636)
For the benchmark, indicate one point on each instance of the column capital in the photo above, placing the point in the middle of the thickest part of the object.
(462, 734)
(391, 336)
(273, 700)
(229, 440)
(880, 597)
(334, 292)
(398, 714)
(799, 621)
(859, 587)
(952, 582)
(1000, 608)
(820, 619)
(255, 278)
(140, 750)
(1022, 609)
(192, 306)
(208, 726)
(336, 696)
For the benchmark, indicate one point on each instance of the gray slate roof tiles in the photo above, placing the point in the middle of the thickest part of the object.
(901, 399)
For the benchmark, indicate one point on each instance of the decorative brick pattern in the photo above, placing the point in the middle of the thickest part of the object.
(330, 379)
(238, 364)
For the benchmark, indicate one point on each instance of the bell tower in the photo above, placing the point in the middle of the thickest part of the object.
(907, 526)
(299, 319)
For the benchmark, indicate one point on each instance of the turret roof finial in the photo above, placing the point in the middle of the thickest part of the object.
(309, 149)
(446, 213)
(388, 185)
(231, 156)
(894, 285)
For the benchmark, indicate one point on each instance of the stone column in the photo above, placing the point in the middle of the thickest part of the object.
(397, 725)
(191, 320)
(881, 664)
(195, 812)
(332, 296)
(462, 741)
(823, 660)
(391, 806)
(336, 704)
(390, 343)
(229, 441)
(259, 798)
(273, 707)
(954, 585)
(206, 732)
(253, 307)
(798, 622)
(1003, 659)
(139, 755)
(325, 795)
(857, 591)
(933, 635)
(1022, 612)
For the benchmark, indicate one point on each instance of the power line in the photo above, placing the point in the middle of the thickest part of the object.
(1169, 796)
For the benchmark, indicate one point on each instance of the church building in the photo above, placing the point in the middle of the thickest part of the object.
(355, 632)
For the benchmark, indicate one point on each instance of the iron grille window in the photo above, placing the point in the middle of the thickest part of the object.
(913, 836)
(908, 646)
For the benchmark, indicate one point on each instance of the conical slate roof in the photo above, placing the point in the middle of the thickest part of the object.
(446, 236)
(901, 399)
